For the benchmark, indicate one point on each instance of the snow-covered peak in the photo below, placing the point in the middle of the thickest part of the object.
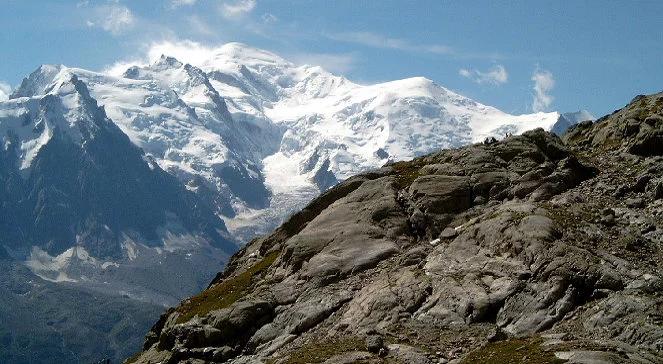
(166, 69)
(53, 79)
(578, 116)
(167, 62)
(246, 55)
(237, 59)
(39, 80)
(244, 61)
(238, 69)
(62, 106)
(421, 86)
(566, 120)
(188, 83)
(300, 122)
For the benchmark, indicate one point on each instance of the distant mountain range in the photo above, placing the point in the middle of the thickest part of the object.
(141, 186)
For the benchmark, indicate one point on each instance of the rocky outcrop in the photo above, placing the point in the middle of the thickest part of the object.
(533, 249)
(637, 128)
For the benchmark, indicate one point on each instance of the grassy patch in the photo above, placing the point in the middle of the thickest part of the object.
(225, 293)
(319, 351)
(133, 358)
(568, 218)
(513, 351)
(658, 105)
(406, 172)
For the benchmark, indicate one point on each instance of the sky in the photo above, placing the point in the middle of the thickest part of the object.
(519, 56)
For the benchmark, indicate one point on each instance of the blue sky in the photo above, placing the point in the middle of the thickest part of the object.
(515, 55)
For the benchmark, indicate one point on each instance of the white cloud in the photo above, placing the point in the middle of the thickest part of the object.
(337, 63)
(5, 91)
(269, 18)
(119, 19)
(375, 40)
(117, 69)
(380, 41)
(186, 51)
(177, 3)
(112, 17)
(201, 55)
(495, 76)
(237, 8)
(544, 82)
(199, 25)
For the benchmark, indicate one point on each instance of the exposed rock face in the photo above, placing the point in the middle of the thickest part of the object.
(531, 249)
(95, 220)
(87, 185)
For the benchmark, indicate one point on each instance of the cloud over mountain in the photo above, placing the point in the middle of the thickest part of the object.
(544, 82)
(495, 76)
(5, 90)
(113, 17)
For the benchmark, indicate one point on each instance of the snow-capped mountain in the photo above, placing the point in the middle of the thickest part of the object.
(251, 135)
(259, 136)
(86, 215)
(141, 184)
(331, 128)
(81, 203)
(566, 120)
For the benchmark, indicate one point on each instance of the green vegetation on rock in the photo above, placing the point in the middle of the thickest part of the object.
(513, 351)
(319, 351)
(406, 172)
(225, 293)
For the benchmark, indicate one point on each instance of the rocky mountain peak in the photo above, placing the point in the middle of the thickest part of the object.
(37, 81)
(636, 128)
(168, 62)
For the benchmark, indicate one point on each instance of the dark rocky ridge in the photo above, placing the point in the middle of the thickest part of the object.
(534, 249)
(86, 199)
(92, 192)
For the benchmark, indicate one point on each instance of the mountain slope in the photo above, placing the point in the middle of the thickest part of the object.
(529, 250)
(83, 181)
(46, 322)
(84, 208)
(171, 112)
